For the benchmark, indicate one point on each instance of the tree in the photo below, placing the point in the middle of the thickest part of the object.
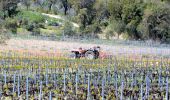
(83, 18)
(40, 3)
(65, 4)
(8, 7)
(51, 3)
(27, 3)
(156, 23)
(115, 9)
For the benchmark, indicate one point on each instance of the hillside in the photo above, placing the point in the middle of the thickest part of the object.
(130, 20)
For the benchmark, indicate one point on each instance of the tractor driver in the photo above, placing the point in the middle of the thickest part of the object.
(81, 51)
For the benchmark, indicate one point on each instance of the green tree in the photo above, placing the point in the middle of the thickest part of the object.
(8, 7)
(11, 24)
(83, 18)
(156, 22)
(27, 3)
(132, 16)
(115, 8)
(65, 4)
(50, 3)
(40, 3)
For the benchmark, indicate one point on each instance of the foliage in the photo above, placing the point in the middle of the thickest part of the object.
(9, 7)
(3, 33)
(136, 19)
(157, 23)
(27, 3)
(34, 28)
(115, 28)
(68, 29)
(31, 16)
(2, 36)
(11, 24)
(1, 14)
(109, 31)
(32, 21)
(132, 16)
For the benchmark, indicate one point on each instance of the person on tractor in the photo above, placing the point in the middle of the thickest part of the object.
(81, 52)
(96, 51)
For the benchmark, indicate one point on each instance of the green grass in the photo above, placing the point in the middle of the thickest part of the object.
(31, 16)
(22, 31)
(49, 32)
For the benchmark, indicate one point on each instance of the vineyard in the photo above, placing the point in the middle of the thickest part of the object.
(37, 77)
(84, 49)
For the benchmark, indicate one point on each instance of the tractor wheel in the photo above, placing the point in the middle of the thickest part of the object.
(73, 55)
(90, 55)
(97, 54)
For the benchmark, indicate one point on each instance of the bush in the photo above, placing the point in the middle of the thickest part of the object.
(1, 14)
(36, 31)
(3, 34)
(68, 29)
(30, 27)
(109, 31)
(11, 24)
(34, 28)
(131, 29)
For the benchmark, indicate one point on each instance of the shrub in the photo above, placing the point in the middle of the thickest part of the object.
(36, 31)
(30, 27)
(118, 26)
(109, 32)
(11, 24)
(68, 29)
(3, 34)
(34, 28)
(1, 14)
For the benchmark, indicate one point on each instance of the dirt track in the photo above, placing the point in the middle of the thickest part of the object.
(59, 46)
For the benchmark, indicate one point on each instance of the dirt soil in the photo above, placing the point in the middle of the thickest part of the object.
(43, 47)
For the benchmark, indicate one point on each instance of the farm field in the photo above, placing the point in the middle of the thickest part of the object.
(42, 70)
(36, 46)
(84, 49)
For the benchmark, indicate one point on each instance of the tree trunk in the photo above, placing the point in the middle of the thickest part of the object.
(84, 21)
(27, 8)
(65, 11)
(50, 7)
(65, 5)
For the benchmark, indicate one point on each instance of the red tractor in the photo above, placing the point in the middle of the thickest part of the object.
(92, 53)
